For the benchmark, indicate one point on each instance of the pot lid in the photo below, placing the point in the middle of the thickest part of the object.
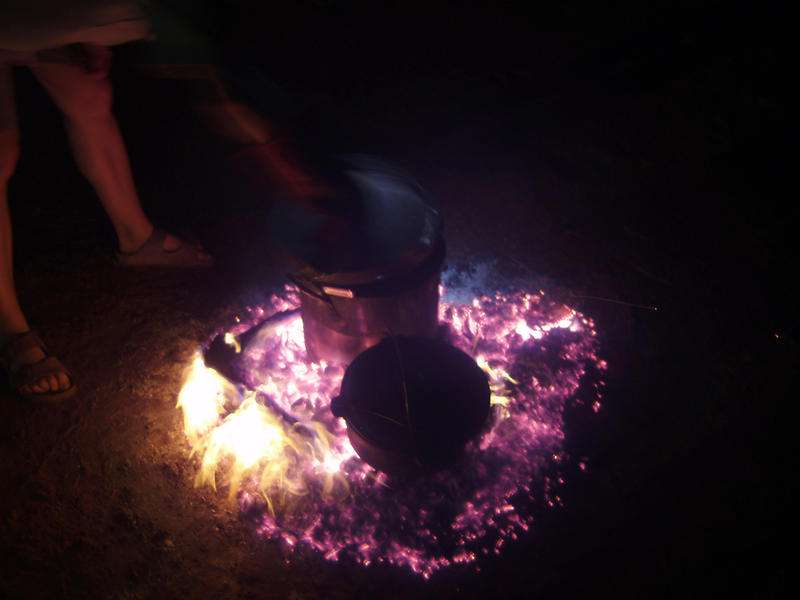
(385, 225)
(415, 395)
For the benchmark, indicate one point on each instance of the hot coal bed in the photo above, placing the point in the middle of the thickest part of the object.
(372, 414)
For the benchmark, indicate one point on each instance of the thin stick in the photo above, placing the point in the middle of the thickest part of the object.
(655, 308)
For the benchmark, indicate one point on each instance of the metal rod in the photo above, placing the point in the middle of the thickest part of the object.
(632, 304)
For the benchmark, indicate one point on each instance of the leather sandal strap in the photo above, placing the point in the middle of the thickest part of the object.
(32, 373)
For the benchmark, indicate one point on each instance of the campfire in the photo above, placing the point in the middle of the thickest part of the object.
(369, 414)
(271, 441)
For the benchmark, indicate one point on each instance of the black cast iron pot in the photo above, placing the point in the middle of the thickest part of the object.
(411, 404)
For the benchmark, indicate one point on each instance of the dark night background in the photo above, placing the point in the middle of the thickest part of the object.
(634, 153)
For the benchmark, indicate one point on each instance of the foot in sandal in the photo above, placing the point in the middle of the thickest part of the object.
(163, 249)
(33, 373)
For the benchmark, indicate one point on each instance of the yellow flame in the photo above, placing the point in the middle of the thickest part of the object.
(500, 395)
(253, 445)
(248, 436)
(499, 400)
(496, 374)
(231, 340)
(202, 399)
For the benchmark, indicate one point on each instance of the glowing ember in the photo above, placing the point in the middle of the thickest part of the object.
(289, 460)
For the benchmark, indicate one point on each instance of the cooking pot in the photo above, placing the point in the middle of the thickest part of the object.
(382, 278)
(411, 404)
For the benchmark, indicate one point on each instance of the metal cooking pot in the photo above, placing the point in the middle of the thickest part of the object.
(411, 404)
(383, 278)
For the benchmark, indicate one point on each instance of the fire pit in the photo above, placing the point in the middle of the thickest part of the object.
(275, 445)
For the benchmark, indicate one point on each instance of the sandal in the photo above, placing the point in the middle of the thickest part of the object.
(21, 373)
(153, 254)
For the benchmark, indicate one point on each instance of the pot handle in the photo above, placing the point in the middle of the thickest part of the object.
(339, 406)
(311, 289)
(319, 295)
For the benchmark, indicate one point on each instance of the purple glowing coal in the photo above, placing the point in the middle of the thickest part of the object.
(537, 353)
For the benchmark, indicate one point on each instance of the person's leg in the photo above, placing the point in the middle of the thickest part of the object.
(85, 100)
(83, 93)
(12, 319)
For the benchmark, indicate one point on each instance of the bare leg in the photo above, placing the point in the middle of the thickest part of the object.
(83, 93)
(12, 319)
(85, 100)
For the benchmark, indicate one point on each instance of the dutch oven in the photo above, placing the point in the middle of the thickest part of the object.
(411, 404)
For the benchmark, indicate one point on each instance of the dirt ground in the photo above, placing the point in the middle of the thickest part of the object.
(630, 160)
